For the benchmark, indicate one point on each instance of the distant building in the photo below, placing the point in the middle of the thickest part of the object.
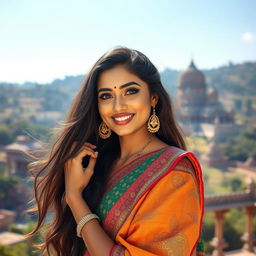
(214, 156)
(198, 108)
(10, 238)
(6, 218)
(17, 160)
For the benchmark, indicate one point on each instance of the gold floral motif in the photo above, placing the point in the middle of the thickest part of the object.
(119, 222)
(132, 194)
(117, 212)
(147, 217)
(173, 246)
(177, 180)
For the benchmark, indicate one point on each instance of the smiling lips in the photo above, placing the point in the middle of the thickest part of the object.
(122, 119)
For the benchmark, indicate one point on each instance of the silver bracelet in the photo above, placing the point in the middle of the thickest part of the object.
(83, 221)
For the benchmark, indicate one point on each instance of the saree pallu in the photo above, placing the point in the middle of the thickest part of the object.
(155, 205)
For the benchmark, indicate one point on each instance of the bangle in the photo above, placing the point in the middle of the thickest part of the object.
(112, 249)
(83, 221)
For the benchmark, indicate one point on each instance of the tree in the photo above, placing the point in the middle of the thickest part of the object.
(20, 249)
(8, 197)
(236, 184)
(3, 101)
(6, 184)
(240, 147)
(5, 135)
(36, 239)
(24, 127)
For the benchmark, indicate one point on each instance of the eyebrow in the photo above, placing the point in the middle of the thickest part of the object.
(121, 86)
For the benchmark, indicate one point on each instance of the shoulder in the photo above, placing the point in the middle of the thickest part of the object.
(179, 181)
(185, 165)
(171, 157)
(171, 165)
(180, 163)
(183, 160)
(185, 169)
(179, 158)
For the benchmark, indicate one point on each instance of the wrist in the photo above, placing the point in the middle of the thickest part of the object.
(73, 196)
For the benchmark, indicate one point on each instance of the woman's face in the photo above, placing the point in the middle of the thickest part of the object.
(124, 101)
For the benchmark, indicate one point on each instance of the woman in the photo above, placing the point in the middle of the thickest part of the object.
(118, 178)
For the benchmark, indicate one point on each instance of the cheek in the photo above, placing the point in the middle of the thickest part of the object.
(103, 110)
(141, 103)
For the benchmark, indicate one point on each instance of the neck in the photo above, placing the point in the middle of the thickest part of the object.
(133, 143)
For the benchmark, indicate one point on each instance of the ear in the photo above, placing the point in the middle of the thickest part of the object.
(154, 99)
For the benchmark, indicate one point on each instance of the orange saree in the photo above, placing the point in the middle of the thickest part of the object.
(155, 205)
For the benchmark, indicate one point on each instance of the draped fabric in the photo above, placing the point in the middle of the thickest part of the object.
(155, 205)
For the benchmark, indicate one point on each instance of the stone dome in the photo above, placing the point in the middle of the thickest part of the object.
(192, 77)
(192, 87)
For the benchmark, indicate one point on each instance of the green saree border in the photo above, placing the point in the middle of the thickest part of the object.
(123, 207)
(166, 161)
(116, 191)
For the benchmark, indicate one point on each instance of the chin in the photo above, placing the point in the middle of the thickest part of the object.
(125, 132)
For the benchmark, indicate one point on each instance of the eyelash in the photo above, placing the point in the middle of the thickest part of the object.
(134, 91)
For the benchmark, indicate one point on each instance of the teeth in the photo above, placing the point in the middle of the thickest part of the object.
(123, 118)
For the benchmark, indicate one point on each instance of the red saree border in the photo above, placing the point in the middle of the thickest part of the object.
(123, 170)
(199, 175)
(158, 169)
(119, 210)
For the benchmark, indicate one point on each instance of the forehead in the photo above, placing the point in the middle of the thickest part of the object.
(117, 76)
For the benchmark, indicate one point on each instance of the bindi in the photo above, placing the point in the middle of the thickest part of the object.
(121, 86)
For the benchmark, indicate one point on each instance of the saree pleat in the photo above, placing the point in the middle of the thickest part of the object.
(155, 205)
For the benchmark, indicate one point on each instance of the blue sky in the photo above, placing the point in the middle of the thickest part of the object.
(44, 40)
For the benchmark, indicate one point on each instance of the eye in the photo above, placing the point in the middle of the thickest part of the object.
(105, 96)
(131, 91)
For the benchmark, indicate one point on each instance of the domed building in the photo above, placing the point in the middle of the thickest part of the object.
(192, 87)
(198, 108)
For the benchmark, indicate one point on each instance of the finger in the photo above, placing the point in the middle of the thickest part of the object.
(92, 162)
(84, 151)
(86, 148)
(88, 144)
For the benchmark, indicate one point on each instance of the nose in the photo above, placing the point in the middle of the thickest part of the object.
(119, 104)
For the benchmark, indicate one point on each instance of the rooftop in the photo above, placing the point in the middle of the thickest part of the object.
(9, 238)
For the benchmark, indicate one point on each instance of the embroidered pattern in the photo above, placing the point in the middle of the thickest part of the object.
(122, 208)
(119, 206)
(120, 173)
(177, 245)
(119, 189)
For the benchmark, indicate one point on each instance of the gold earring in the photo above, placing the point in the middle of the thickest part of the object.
(153, 122)
(104, 131)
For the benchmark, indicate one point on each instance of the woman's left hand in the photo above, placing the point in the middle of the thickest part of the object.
(77, 177)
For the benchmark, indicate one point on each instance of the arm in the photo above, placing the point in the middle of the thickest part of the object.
(97, 241)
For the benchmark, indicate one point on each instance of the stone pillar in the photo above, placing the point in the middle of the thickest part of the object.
(248, 237)
(218, 242)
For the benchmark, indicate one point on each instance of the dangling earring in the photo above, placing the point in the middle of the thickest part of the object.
(153, 122)
(104, 131)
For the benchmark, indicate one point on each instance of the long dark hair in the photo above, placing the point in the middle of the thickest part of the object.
(81, 125)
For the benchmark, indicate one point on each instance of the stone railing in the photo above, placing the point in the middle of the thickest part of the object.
(221, 204)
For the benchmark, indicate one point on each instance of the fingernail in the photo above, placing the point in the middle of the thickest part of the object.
(96, 154)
